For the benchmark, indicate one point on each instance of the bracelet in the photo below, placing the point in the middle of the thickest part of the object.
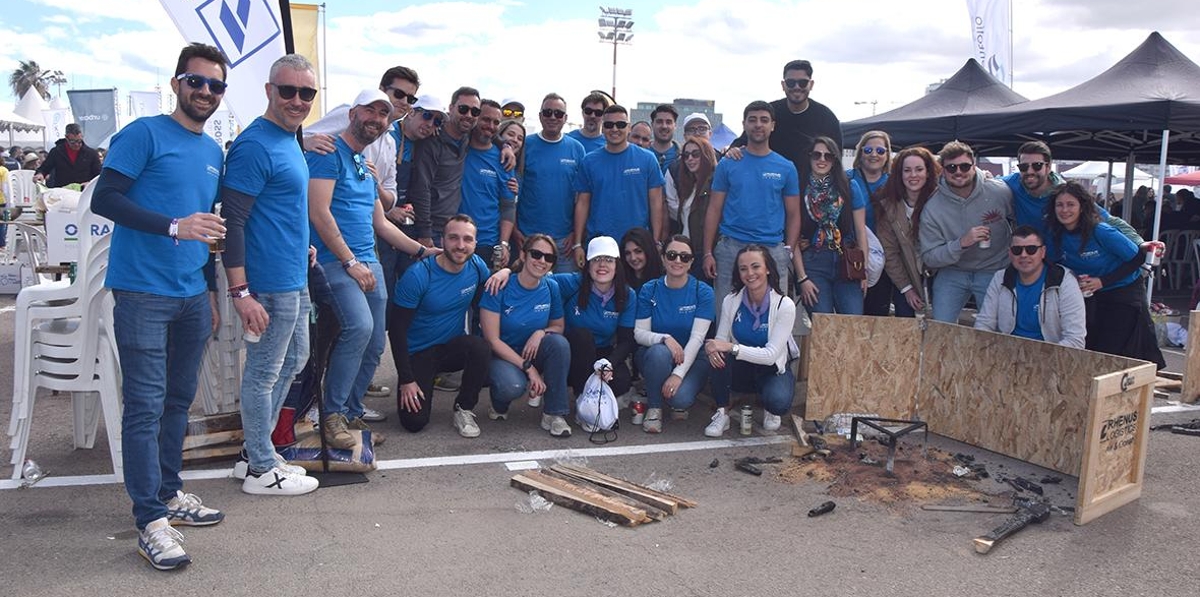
(526, 365)
(349, 263)
(707, 255)
(577, 246)
(504, 244)
(173, 230)
(802, 280)
(420, 252)
(240, 292)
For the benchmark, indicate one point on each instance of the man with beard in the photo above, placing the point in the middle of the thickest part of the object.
(487, 197)
(345, 215)
(158, 185)
(436, 187)
(547, 202)
(264, 198)
(664, 146)
(432, 300)
(590, 136)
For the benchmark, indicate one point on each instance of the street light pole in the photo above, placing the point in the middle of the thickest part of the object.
(616, 27)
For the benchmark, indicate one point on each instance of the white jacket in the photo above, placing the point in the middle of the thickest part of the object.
(780, 317)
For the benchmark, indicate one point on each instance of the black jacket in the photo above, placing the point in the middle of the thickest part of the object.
(60, 172)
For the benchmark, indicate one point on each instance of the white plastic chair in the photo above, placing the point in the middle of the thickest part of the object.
(1177, 260)
(24, 190)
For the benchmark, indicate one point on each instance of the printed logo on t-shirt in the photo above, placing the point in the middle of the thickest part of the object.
(635, 171)
(213, 171)
(687, 309)
(570, 162)
(772, 175)
(468, 290)
(541, 307)
(610, 314)
(488, 172)
(1093, 254)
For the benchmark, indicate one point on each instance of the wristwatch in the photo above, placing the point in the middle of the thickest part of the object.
(349, 263)
(734, 351)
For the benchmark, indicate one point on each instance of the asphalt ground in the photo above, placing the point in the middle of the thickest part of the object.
(440, 518)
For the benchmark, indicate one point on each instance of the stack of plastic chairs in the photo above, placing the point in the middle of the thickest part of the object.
(24, 190)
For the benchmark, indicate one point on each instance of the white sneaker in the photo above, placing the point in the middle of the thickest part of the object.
(556, 425)
(371, 415)
(464, 422)
(162, 546)
(278, 482)
(719, 424)
(653, 421)
(496, 416)
(535, 401)
(771, 422)
(241, 467)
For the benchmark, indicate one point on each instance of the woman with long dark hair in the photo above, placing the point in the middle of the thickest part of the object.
(687, 198)
(831, 220)
(641, 261)
(898, 207)
(1106, 263)
(869, 174)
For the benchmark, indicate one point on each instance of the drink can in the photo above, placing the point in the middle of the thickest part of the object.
(498, 257)
(251, 337)
(639, 412)
(985, 243)
(747, 419)
(1154, 252)
(218, 245)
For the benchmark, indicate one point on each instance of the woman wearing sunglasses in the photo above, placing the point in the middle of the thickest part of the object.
(899, 205)
(523, 323)
(832, 218)
(642, 261)
(687, 197)
(872, 162)
(673, 316)
(1107, 265)
(753, 346)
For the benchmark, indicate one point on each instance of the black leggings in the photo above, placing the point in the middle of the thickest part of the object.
(469, 354)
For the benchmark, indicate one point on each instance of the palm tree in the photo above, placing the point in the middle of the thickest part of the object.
(30, 75)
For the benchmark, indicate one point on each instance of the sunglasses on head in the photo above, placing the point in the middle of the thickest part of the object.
(597, 112)
(550, 257)
(513, 113)
(402, 95)
(463, 109)
(1037, 166)
(216, 86)
(549, 113)
(952, 168)
(1029, 249)
(287, 92)
(821, 156)
(679, 256)
(794, 83)
(620, 124)
(875, 150)
(360, 166)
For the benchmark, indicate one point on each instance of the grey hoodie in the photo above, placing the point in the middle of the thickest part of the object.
(947, 217)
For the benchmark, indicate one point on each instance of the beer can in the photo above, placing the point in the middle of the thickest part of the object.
(498, 257)
(639, 412)
(747, 419)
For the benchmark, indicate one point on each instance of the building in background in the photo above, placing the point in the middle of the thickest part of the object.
(684, 106)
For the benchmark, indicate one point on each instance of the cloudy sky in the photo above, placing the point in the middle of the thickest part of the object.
(878, 51)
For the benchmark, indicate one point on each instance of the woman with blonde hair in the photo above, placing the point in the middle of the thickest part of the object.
(872, 162)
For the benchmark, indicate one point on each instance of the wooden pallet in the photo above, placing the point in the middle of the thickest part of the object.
(605, 497)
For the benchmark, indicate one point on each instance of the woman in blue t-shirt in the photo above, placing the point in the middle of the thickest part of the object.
(753, 348)
(642, 261)
(523, 323)
(831, 219)
(1108, 266)
(673, 316)
(872, 162)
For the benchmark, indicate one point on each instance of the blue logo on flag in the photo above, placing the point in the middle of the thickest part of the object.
(240, 28)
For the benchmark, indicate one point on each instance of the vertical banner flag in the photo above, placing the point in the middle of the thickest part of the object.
(249, 32)
(991, 38)
(145, 103)
(96, 112)
(304, 35)
(56, 122)
(222, 127)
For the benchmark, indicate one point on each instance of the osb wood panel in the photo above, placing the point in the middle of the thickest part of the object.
(1018, 397)
(1115, 443)
(862, 364)
(1191, 367)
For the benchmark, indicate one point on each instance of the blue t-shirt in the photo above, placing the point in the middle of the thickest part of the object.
(1029, 324)
(672, 310)
(863, 190)
(484, 188)
(353, 203)
(265, 162)
(743, 329)
(602, 319)
(589, 144)
(1106, 250)
(523, 311)
(755, 187)
(547, 203)
(177, 173)
(666, 158)
(620, 185)
(440, 298)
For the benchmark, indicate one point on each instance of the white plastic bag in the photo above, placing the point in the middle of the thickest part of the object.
(874, 258)
(596, 408)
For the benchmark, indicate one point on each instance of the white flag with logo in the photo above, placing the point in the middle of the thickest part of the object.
(145, 103)
(249, 32)
(991, 37)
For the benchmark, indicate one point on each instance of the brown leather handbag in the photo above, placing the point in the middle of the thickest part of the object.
(853, 262)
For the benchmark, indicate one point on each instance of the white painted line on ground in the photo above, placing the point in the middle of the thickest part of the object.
(435, 461)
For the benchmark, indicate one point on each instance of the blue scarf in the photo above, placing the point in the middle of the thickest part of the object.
(758, 311)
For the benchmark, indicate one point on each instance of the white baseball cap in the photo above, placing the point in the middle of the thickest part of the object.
(367, 97)
(603, 246)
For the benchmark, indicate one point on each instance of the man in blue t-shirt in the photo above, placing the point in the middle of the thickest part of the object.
(487, 196)
(345, 215)
(430, 309)
(662, 120)
(547, 202)
(619, 187)
(1034, 299)
(754, 200)
(590, 136)
(158, 185)
(264, 198)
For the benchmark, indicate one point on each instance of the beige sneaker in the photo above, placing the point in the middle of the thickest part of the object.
(377, 438)
(337, 434)
(653, 421)
(556, 425)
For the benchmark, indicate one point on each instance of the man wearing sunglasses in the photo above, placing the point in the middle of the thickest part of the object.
(590, 136)
(435, 190)
(619, 187)
(965, 229)
(1034, 299)
(264, 198)
(69, 161)
(158, 185)
(547, 202)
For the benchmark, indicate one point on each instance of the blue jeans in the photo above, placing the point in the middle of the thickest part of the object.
(362, 317)
(775, 390)
(553, 360)
(271, 363)
(656, 365)
(161, 342)
(726, 253)
(834, 294)
(951, 287)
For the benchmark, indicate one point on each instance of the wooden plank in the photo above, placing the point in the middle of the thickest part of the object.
(643, 497)
(651, 511)
(576, 498)
(618, 484)
(217, 422)
(1191, 365)
(1169, 385)
(1118, 434)
(211, 439)
(1171, 375)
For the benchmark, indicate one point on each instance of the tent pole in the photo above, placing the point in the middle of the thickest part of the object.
(1130, 167)
(1108, 188)
(1162, 174)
